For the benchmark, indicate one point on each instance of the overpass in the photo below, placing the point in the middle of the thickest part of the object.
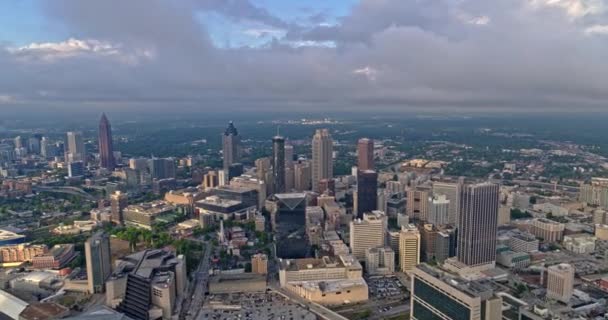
(67, 190)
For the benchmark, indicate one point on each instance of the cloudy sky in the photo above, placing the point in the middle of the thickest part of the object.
(432, 55)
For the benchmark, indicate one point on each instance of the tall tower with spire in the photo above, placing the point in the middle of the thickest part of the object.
(106, 148)
(231, 146)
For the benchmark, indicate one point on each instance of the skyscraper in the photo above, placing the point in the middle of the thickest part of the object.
(231, 146)
(278, 164)
(477, 224)
(367, 192)
(75, 147)
(322, 157)
(409, 247)
(365, 154)
(106, 147)
(302, 174)
(560, 282)
(368, 232)
(118, 202)
(97, 253)
(451, 192)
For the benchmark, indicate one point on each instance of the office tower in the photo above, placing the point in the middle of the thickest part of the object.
(438, 295)
(19, 142)
(106, 147)
(75, 147)
(302, 175)
(477, 224)
(250, 182)
(231, 146)
(367, 192)
(259, 263)
(162, 168)
(288, 220)
(118, 201)
(148, 284)
(439, 207)
(33, 144)
(595, 193)
(75, 169)
(451, 192)
(46, 148)
(234, 170)
(560, 282)
(409, 248)
(278, 164)
(394, 187)
(365, 154)
(322, 157)
(97, 254)
(418, 203)
(328, 186)
(367, 232)
(138, 164)
(289, 156)
(380, 260)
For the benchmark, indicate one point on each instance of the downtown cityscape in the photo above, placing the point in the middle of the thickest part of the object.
(304, 160)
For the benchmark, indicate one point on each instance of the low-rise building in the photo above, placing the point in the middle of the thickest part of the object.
(513, 260)
(237, 283)
(17, 254)
(57, 258)
(332, 292)
(579, 243)
(523, 242)
(145, 215)
(321, 269)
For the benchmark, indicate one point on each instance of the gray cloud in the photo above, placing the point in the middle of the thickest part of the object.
(389, 55)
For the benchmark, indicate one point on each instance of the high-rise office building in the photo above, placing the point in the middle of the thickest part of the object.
(365, 154)
(118, 202)
(162, 168)
(289, 156)
(368, 232)
(302, 175)
(477, 224)
(439, 210)
(560, 282)
(231, 146)
(19, 142)
(278, 164)
(106, 146)
(322, 157)
(75, 169)
(451, 191)
(409, 247)
(380, 260)
(97, 254)
(33, 144)
(367, 192)
(438, 295)
(75, 147)
(418, 203)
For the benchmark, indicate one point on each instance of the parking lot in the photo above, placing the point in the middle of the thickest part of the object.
(388, 287)
(252, 306)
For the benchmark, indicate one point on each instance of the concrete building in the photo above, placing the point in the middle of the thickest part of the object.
(452, 193)
(601, 231)
(380, 261)
(118, 202)
(302, 175)
(322, 157)
(438, 295)
(57, 257)
(595, 193)
(97, 254)
(75, 150)
(162, 168)
(418, 203)
(513, 260)
(148, 284)
(560, 282)
(250, 182)
(504, 216)
(547, 230)
(439, 210)
(478, 224)
(367, 233)
(321, 269)
(580, 243)
(331, 292)
(259, 263)
(409, 248)
(17, 254)
(145, 215)
(365, 154)
(523, 242)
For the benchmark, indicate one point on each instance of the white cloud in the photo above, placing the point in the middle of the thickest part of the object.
(367, 71)
(597, 29)
(53, 51)
(264, 32)
(573, 8)
(480, 21)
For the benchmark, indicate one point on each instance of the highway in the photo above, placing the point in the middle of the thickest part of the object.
(193, 304)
